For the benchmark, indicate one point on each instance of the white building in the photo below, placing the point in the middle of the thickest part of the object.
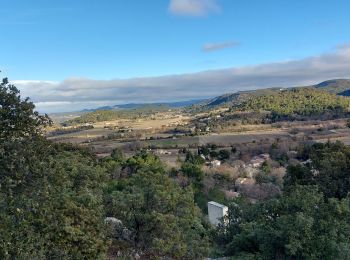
(215, 163)
(216, 212)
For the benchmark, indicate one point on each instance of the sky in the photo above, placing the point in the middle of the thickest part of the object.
(70, 55)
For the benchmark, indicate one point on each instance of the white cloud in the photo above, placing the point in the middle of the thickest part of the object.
(80, 93)
(209, 47)
(193, 7)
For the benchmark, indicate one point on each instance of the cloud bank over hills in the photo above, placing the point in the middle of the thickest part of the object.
(79, 93)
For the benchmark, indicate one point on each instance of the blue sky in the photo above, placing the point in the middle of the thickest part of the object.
(54, 42)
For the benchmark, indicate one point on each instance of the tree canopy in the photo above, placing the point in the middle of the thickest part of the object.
(309, 220)
(296, 102)
(158, 216)
(50, 194)
(54, 198)
(17, 117)
(298, 225)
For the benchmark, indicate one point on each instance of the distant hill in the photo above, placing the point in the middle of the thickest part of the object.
(128, 111)
(238, 97)
(231, 99)
(297, 101)
(177, 104)
(336, 86)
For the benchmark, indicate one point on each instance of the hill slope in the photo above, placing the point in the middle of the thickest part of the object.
(231, 99)
(176, 104)
(297, 101)
(336, 86)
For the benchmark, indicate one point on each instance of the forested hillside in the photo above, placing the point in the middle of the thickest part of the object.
(340, 87)
(107, 115)
(335, 86)
(298, 101)
(230, 99)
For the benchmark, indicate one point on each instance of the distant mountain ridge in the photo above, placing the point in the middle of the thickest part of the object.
(336, 86)
(240, 96)
(177, 104)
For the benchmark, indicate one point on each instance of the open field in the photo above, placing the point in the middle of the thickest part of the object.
(157, 122)
(153, 126)
(159, 131)
(221, 140)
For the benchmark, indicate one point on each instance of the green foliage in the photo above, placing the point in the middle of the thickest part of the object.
(336, 86)
(282, 158)
(62, 131)
(193, 171)
(266, 167)
(224, 155)
(143, 160)
(109, 115)
(217, 195)
(117, 155)
(203, 150)
(193, 158)
(50, 195)
(161, 218)
(228, 100)
(17, 117)
(298, 175)
(50, 202)
(329, 169)
(299, 225)
(214, 194)
(310, 220)
(54, 197)
(214, 154)
(297, 102)
(96, 116)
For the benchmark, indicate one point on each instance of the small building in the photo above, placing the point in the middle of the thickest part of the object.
(216, 212)
(215, 163)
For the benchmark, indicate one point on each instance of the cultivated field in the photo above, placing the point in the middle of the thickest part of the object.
(159, 132)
